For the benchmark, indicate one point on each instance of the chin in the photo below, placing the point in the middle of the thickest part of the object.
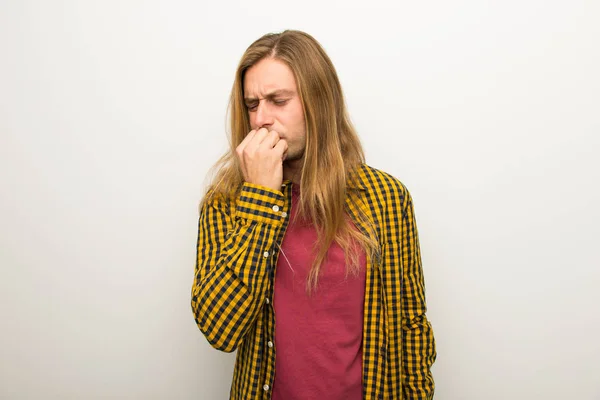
(293, 157)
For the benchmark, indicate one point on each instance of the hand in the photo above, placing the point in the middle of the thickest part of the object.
(261, 155)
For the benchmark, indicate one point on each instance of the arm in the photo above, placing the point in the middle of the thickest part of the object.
(233, 253)
(418, 344)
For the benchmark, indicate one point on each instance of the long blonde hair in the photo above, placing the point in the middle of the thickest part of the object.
(333, 150)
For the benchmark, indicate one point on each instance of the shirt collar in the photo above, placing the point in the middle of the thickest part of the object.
(354, 182)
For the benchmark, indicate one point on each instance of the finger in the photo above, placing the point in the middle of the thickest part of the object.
(261, 134)
(281, 148)
(245, 142)
(270, 140)
(256, 140)
(240, 151)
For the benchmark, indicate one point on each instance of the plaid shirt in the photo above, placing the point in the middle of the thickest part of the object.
(238, 246)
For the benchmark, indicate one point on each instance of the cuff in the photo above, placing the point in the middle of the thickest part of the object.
(261, 204)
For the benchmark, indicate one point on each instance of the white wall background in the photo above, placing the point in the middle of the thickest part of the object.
(112, 112)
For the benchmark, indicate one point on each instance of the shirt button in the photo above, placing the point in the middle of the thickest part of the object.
(266, 388)
(267, 301)
(284, 214)
(270, 344)
(275, 208)
(266, 254)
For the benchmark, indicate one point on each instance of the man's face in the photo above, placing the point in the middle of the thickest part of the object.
(271, 95)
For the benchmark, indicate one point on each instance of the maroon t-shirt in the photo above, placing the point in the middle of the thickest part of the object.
(318, 339)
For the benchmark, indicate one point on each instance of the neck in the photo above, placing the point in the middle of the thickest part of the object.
(292, 170)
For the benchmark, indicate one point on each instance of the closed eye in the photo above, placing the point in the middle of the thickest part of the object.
(278, 102)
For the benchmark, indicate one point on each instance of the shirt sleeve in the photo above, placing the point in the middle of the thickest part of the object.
(418, 343)
(234, 247)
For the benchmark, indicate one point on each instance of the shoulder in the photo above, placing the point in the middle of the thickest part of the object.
(382, 185)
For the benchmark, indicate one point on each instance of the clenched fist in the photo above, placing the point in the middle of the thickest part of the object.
(261, 156)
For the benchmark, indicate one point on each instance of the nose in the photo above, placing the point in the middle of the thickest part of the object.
(263, 116)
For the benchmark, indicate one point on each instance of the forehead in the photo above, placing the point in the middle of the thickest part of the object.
(266, 76)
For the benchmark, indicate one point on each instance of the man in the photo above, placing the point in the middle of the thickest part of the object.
(308, 259)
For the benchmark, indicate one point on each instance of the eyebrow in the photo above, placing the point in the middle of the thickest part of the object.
(276, 93)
